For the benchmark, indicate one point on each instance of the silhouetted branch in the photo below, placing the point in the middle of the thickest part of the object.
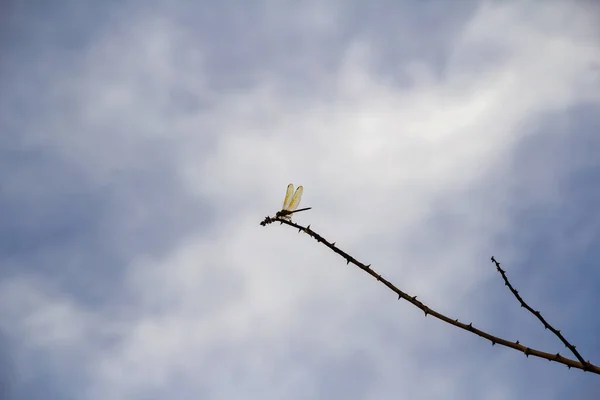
(585, 366)
(538, 314)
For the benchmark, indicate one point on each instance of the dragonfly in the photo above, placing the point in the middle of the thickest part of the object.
(290, 203)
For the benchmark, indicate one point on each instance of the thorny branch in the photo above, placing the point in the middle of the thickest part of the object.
(538, 314)
(528, 351)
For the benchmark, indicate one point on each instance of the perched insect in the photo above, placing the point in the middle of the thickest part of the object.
(290, 203)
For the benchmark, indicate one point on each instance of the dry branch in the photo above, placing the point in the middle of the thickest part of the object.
(537, 314)
(528, 351)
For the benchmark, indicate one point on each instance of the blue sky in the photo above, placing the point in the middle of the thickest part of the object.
(142, 142)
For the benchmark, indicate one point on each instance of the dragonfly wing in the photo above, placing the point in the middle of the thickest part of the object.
(288, 197)
(296, 199)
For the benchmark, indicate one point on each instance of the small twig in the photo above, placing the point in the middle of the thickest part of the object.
(538, 314)
(585, 366)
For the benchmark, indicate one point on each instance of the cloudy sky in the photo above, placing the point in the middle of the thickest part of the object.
(141, 143)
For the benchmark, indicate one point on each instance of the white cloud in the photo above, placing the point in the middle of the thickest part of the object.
(380, 164)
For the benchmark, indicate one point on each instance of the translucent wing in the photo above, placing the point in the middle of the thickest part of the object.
(288, 197)
(296, 199)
